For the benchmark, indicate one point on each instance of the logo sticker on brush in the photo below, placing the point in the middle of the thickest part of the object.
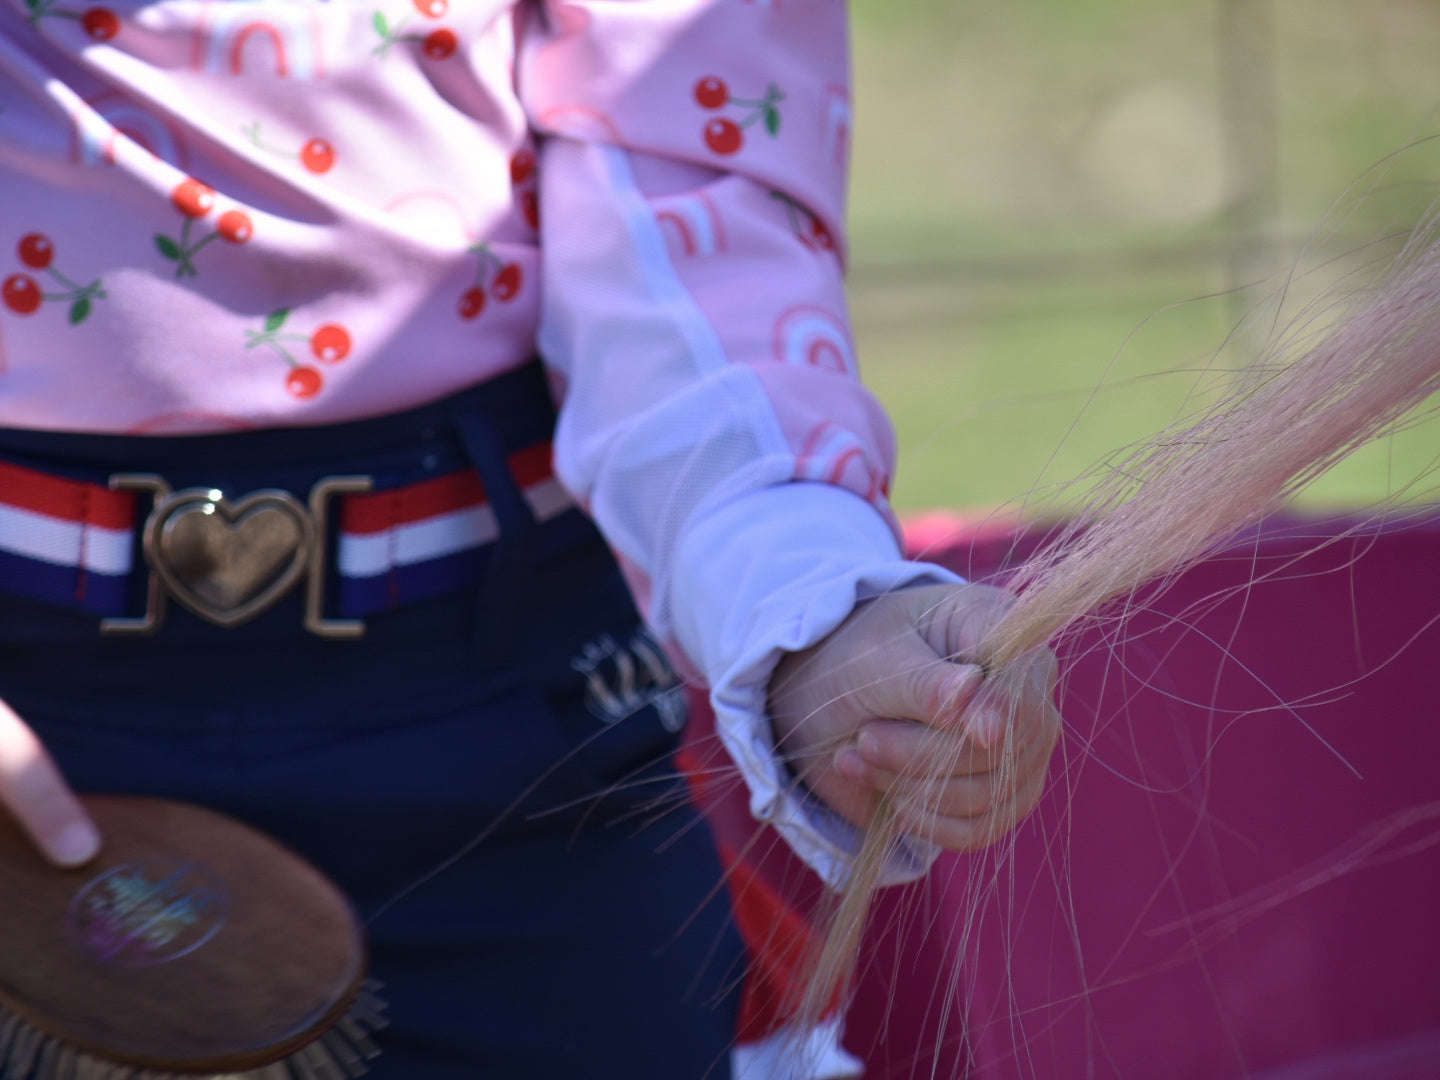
(144, 913)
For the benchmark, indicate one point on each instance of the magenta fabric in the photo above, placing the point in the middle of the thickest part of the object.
(1236, 872)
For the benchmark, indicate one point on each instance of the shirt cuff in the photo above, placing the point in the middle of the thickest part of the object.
(773, 571)
(785, 1055)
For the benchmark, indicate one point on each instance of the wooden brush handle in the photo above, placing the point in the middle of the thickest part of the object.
(192, 943)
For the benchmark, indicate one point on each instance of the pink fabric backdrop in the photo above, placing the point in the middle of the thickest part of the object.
(1236, 871)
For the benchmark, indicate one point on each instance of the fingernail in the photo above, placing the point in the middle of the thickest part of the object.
(985, 729)
(868, 745)
(849, 765)
(959, 687)
(74, 845)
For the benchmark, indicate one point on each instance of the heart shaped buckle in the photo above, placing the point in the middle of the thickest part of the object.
(229, 561)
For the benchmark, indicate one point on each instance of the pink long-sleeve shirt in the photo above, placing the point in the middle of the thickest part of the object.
(241, 213)
(226, 214)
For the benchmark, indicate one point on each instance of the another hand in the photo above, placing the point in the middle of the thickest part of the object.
(889, 704)
(32, 788)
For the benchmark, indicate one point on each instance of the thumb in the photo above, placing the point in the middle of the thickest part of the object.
(34, 791)
(917, 685)
(907, 647)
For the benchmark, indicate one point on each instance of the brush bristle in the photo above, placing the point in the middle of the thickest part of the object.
(340, 1053)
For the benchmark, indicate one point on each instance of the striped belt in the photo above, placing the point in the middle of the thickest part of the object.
(229, 556)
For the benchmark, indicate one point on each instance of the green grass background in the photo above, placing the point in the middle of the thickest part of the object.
(1047, 201)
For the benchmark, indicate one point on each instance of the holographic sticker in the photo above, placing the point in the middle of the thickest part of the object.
(145, 913)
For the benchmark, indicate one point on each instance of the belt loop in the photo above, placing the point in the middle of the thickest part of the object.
(513, 554)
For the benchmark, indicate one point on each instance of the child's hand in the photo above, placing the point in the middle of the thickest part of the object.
(32, 789)
(877, 707)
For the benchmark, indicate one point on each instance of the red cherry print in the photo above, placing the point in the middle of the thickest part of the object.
(472, 303)
(522, 166)
(712, 93)
(432, 9)
(723, 136)
(193, 199)
(530, 208)
(304, 382)
(821, 235)
(21, 294)
(439, 44)
(317, 155)
(235, 226)
(507, 282)
(100, 23)
(36, 251)
(330, 343)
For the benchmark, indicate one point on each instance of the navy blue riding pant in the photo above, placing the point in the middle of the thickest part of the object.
(487, 772)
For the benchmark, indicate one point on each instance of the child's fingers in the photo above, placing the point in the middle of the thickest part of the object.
(35, 792)
(1016, 729)
(961, 796)
(971, 832)
(914, 686)
(1017, 696)
(915, 784)
(909, 749)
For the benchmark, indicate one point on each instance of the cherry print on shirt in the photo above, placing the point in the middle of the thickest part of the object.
(195, 200)
(437, 44)
(530, 208)
(235, 226)
(712, 93)
(494, 277)
(329, 343)
(22, 294)
(524, 181)
(99, 23)
(522, 166)
(724, 134)
(192, 198)
(317, 155)
(809, 229)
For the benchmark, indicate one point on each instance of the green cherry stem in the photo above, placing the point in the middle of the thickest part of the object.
(87, 292)
(184, 267)
(773, 96)
(389, 35)
(39, 9)
(272, 341)
(187, 255)
(485, 255)
(252, 132)
(94, 289)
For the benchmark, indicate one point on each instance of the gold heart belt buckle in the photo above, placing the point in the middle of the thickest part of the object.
(230, 560)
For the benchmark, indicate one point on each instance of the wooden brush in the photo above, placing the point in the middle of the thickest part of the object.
(192, 945)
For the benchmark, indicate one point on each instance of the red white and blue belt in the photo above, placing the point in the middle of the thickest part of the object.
(230, 556)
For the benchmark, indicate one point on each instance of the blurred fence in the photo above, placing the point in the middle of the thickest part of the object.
(1034, 180)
